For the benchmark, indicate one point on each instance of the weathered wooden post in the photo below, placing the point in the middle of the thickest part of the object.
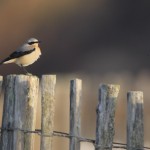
(135, 126)
(20, 100)
(75, 116)
(105, 116)
(48, 83)
(1, 83)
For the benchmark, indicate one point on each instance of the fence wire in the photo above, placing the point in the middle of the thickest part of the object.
(67, 135)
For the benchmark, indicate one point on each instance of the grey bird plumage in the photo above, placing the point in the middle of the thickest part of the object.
(26, 55)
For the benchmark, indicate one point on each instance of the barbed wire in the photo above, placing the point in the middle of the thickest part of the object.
(67, 135)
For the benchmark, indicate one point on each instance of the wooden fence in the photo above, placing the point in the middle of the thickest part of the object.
(21, 93)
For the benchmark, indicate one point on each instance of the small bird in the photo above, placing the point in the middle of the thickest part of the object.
(26, 55)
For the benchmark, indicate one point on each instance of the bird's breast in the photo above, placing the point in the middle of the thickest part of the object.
(29, 59)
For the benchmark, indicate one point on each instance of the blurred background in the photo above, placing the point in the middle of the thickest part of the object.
(99, 41)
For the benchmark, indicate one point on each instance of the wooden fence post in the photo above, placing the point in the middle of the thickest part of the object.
(48, 107)
(105, 116)
(20, 100)
(75, 104)
(135, 127)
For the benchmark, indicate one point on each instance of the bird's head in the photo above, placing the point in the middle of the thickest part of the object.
(32, 41)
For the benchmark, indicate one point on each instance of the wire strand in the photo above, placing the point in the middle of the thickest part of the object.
(67, 135)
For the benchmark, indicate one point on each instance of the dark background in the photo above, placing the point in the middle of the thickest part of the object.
(99, 41)
(97, 36)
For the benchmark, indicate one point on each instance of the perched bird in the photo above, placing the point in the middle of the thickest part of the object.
(26, 55)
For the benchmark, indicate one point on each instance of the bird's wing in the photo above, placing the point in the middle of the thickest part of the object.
(17, 54)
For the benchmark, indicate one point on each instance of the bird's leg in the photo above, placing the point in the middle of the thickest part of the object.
(25, 70)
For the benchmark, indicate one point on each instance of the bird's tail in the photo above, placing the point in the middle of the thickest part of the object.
(7, 61)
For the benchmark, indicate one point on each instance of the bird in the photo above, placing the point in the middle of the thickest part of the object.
(26, 55)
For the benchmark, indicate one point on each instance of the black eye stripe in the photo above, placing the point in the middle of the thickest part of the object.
(30, 43)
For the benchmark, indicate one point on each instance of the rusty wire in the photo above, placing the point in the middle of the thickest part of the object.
(67, 135)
